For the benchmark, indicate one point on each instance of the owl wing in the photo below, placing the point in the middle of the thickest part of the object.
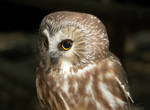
(120, 77)
(39, 86)
(123, 86)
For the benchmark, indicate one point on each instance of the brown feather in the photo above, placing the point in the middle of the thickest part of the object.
(87, 76)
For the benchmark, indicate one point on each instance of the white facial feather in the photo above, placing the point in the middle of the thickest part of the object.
(65, 68)
(56, 39)
(46, 33)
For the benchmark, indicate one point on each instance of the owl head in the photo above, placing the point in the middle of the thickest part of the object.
(76, 38)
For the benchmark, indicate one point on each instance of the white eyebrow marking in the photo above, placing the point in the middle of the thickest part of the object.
(46, 33)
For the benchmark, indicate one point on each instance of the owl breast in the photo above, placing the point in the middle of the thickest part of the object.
(90, 88)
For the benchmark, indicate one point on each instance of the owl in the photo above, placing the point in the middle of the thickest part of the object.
(76, 69)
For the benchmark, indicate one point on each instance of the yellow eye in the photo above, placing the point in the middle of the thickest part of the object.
(65, 44)
(45, 42)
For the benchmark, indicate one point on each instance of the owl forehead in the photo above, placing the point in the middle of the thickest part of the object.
(62, 34)
(86, 22)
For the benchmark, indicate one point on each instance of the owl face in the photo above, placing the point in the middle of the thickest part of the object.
(66, 44)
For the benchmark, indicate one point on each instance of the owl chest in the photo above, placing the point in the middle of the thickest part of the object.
(84, 93)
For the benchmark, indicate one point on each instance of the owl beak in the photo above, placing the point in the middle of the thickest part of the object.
(53, 58)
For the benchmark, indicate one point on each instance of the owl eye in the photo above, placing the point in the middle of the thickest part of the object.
(45, 42)
(65, 44)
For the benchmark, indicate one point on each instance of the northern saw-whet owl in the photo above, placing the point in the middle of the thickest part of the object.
(76, 69)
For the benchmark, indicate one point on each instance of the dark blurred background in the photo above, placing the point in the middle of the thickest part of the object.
(128, 25)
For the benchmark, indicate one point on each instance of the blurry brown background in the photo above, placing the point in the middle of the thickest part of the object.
(128, 25)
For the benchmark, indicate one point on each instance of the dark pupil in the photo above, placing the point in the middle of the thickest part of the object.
(45, 42)
(66, 44)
